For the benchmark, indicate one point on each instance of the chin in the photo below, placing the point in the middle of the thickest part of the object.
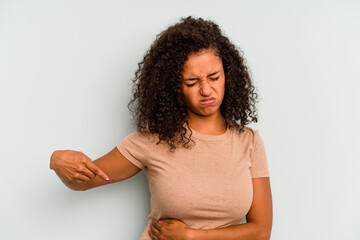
(208, 113)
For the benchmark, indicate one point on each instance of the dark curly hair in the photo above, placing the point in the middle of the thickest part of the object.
(158, 105)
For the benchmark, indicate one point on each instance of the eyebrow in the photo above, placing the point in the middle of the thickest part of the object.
(211, 74)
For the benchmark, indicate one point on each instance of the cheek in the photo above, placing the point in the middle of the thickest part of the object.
(190, 95)
(221, 86)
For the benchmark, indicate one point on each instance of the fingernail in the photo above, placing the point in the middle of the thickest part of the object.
(160, 221)
(149, 231)
(107, 179)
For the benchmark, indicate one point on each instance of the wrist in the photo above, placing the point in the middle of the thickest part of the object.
(53, 159)
(56, 159)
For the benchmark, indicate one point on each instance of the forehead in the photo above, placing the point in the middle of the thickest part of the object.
(203, 62)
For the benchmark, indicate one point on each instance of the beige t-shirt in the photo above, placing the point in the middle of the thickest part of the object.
(206, 186)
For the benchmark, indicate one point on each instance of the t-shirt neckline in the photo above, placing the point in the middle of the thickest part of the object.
(207, 137)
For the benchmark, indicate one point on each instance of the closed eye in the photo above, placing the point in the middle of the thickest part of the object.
(190, 85)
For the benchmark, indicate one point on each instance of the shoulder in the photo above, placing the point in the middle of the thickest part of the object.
(142, 136)
(139, 140)
(246, 132)
(248, 136)
(250, 131)
(136, 146)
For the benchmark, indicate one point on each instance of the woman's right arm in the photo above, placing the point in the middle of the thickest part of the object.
(78, 172)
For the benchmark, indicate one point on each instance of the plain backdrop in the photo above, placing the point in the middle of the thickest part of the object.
(66, 69)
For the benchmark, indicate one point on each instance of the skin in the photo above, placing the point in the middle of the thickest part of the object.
(78, 172)
(204, 79)
(203, 89)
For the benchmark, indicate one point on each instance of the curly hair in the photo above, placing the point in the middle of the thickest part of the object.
(158, 106)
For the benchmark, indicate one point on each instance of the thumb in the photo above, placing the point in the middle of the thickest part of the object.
(96, 170)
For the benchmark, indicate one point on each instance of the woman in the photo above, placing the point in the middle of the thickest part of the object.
(207, 171)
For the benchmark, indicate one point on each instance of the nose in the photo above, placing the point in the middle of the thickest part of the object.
(205, 88)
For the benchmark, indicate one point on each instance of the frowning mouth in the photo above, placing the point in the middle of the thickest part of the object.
(207, 101)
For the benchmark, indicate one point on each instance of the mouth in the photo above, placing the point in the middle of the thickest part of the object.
(207, 101)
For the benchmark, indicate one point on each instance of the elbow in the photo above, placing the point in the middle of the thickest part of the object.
(264, 236)
(261, 235)
(262, 232)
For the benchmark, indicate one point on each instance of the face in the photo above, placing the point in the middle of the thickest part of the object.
(203, 83)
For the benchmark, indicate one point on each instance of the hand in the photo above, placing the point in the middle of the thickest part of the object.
(75, 167)
(168, 229)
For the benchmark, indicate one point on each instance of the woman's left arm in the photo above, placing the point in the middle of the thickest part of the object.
(258, 226)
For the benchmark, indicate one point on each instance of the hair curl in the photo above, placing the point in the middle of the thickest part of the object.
(158, 105)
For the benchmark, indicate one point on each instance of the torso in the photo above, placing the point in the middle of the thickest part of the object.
(206, 186)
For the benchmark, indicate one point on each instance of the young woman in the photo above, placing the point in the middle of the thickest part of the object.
(207, 171)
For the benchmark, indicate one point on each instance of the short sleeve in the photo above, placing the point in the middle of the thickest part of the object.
(259, 164)
(134, 148)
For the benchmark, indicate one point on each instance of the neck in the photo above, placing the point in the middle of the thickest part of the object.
(210, 125)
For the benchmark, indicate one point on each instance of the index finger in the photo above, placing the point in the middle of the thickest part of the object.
(95, 169)
(156, 224)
